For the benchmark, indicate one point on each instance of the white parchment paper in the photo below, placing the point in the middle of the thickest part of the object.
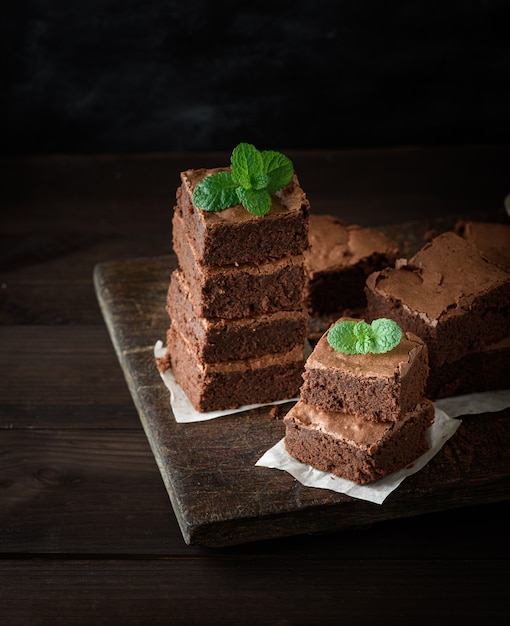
(473, 403)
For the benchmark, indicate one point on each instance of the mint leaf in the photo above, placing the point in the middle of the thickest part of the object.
(351, 337)
(253, 176)
(216, 192)
(343, 338)
(387, 335)
(364, 338)
(245, 161)
(257, 201)
(259, 181)
(278, 168)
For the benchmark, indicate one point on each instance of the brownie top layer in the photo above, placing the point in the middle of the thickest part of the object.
(334, 244)
(493, 240)
(290, 199)
(367, 365)
(355, 430)
(444, 277)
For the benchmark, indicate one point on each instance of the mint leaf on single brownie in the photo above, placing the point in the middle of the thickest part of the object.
(386, 334)
(352, 337)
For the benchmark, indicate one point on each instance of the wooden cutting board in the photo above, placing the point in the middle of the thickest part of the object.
(219, 496)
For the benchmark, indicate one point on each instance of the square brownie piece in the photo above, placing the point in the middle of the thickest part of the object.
(447, 294)
(231, 384)
(354, 448)
(487, 370)
(239, 290)
(379, 387)
(491, 239)
(218, 340)
(338, 261)
(236, 236)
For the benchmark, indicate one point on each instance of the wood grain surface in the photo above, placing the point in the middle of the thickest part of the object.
(87, 532)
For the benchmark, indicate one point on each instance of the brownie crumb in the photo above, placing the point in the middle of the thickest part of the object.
(274, 413)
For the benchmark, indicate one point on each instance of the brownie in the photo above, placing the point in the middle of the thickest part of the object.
(447, 294)
(338, 261)
(352, 447)
(491, 239)
(236, 236)
(211, 386)
(245, 292)
(487, 370)
(241, 290)
(217, 339)
(379, 387)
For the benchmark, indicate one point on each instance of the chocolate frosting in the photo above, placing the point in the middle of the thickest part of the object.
(334, 244)
(444, 276)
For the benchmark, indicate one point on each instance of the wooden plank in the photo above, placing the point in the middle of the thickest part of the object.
(47, 278)
(70, 491)
(89, 491)
(219, 497)
(62, 377)
(227, 591)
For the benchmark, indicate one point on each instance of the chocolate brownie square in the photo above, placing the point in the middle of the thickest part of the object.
(236, 236)
(231, 384)
(487, 370)
(380, 387)
(353, 448)
(447, 294)
(491, 239)
(338, 261)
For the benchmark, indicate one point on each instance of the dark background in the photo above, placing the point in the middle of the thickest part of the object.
(153, 75)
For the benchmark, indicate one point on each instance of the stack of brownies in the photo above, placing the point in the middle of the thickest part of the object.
(361, 416)
(238, 327)
(458, 301)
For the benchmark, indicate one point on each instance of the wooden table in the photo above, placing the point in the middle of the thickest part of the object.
(87, 532)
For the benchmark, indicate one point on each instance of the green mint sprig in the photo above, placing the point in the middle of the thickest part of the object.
(252, 178)
(351, 337)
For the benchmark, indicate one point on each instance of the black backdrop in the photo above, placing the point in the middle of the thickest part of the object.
(156, 75)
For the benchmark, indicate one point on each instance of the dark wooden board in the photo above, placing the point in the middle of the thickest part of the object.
(219, 496)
